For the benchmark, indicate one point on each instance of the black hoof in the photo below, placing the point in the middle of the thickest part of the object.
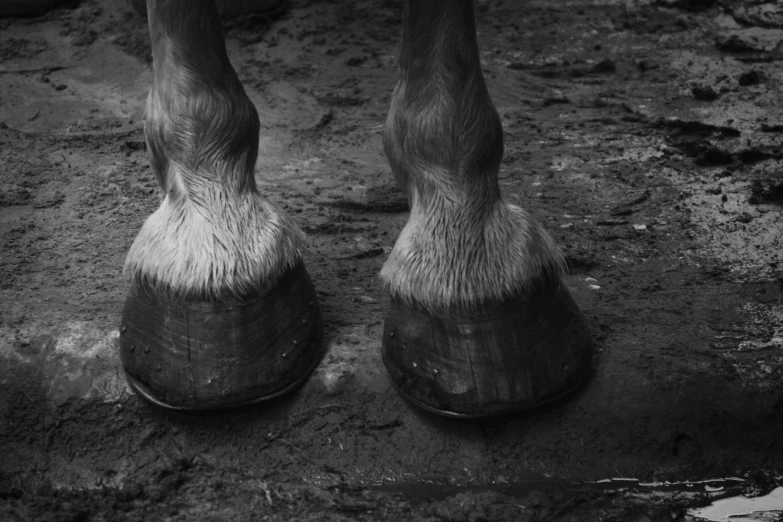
(496, 359)
(190, 354)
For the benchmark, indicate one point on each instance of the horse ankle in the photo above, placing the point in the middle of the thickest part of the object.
(200, 124)
(202, 137)
(443, 134)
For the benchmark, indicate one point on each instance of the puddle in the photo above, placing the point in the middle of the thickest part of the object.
(420, 491)
(743, 509)
(690, 486)
(730, 509)
(735, 508)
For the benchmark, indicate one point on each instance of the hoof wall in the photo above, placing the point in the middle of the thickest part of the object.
(497, 359)
(188, 354)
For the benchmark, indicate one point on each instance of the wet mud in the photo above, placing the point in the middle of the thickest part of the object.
(645, 135)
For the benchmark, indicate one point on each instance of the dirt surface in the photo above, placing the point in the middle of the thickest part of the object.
(646, 137)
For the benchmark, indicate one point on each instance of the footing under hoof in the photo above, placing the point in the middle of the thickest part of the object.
(499, 358)
(188, 354)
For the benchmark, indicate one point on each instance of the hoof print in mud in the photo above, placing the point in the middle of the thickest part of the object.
(498, 358)
(191, 354)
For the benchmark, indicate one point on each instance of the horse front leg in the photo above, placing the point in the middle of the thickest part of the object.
(480, 322)
(221, 310)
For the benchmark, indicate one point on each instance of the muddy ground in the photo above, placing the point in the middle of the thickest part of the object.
(645, 135)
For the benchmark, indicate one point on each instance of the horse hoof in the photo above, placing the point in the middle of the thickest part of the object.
(190, 354)
(498, 358)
